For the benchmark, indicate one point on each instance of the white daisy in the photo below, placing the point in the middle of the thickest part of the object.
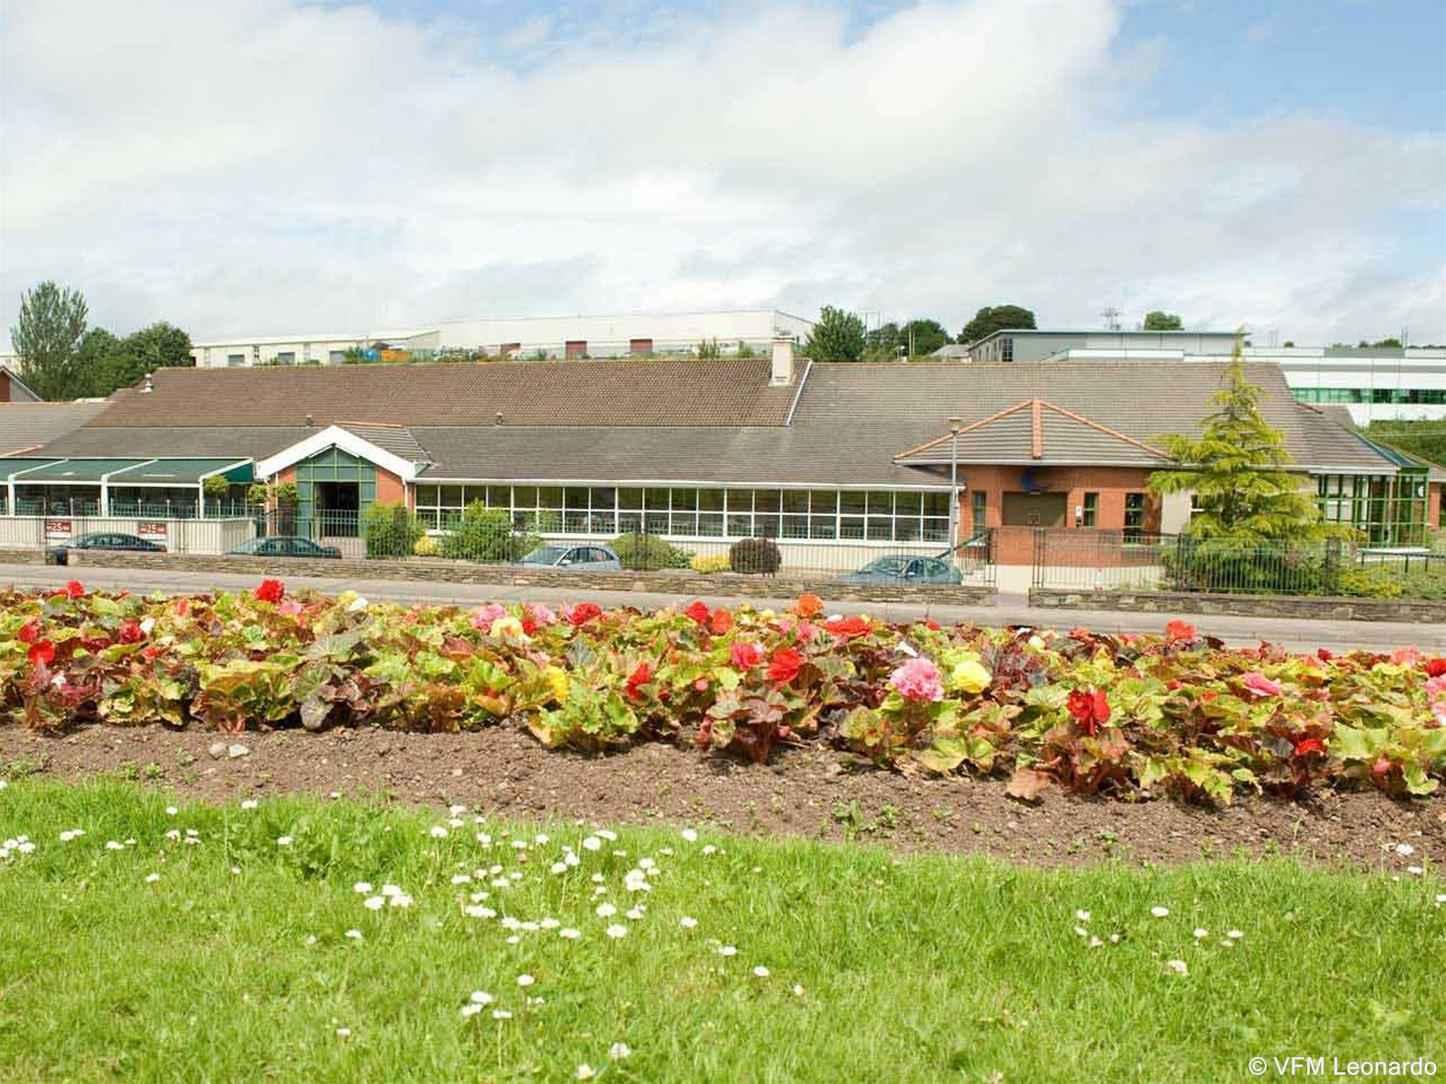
(1159, 912)
(283, 841)
(1176, 967)
(362, 887)
(688, 922)
(616, 931)
(760, 972)
(618, 1051)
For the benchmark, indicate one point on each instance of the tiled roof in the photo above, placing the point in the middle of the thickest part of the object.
(696, 393)
(28, 425)
(851, 420)
(1036, 432)
(397, 439)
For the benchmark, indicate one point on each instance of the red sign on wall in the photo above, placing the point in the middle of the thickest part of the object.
(57, 528)
(151, 530)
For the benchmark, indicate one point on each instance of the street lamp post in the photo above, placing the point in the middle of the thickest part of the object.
(954, 426)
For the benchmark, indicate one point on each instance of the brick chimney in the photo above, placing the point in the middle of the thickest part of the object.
(782, 370)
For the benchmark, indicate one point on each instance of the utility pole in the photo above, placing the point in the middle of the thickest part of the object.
(1112, 318)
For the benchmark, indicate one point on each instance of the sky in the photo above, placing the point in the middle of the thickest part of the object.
(276, 167)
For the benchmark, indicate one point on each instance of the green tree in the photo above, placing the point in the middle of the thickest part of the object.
(995, 318)
(1162, 321)
(1236, 470)
(922, 337)
(883, 343)
(46, 335)
(837, 336)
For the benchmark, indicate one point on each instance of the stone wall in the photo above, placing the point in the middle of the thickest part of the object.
(1188, 602)
(10, 556)
(673, 581)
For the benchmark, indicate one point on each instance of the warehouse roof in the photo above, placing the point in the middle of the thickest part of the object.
(25, 426)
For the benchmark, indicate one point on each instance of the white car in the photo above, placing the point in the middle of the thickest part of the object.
(585, 557)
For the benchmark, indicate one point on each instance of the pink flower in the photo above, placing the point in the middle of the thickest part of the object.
(483, 616)
(541, 613)
(1259, 684)
(744, 656)
(1406, 656)
(918, 679)
(290, 607)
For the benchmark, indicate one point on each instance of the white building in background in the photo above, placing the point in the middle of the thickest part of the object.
(524, 337)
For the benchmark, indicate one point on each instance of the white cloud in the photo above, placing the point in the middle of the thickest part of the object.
(265, 167)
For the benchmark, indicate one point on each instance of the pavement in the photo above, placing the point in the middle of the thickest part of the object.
(1294, 634)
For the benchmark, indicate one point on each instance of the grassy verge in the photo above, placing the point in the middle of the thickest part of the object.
(128, 954)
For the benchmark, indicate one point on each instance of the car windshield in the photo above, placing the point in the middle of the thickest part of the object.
(249, 547)
(545, 555)
(890, 566)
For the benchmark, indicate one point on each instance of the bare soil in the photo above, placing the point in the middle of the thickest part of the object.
(813, 792)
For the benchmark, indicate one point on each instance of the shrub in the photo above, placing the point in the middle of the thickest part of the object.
(710, 563)
(390, 530)
(484, 534)
(426, 546)
(649, 553)
(755, 556)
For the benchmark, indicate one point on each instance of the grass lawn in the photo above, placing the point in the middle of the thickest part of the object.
(125, 954)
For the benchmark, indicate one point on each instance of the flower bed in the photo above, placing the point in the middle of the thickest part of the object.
(1129, 716)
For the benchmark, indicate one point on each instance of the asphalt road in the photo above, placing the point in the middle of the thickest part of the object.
(1292, 633)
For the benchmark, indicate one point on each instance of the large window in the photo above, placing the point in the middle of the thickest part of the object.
(1091, 510)
(1134, 516)
(688, 512)
(233, 360)
(1426, 396)
(1389, 511)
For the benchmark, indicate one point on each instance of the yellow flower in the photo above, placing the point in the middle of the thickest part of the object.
(966, 673)
(558, 680)
(509, 628)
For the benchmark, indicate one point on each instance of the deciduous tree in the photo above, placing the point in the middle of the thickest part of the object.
(837, 336)
(995, 318)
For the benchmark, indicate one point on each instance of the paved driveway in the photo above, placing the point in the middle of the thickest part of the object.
(1293, 633)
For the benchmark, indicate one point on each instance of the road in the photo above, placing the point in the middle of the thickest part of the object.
(1295, 634)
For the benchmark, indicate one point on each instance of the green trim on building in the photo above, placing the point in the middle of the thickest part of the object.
(332, 465)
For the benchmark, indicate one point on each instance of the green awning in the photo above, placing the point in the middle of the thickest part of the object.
(14, 464)
(133, 472)
(75, 471)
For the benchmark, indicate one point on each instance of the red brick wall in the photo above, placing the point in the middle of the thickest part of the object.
(1111, 483)
(4, 387)
(1433, 505)
(390, 489)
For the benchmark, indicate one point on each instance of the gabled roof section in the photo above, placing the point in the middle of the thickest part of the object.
(336, 436)
(729, 392)
(1035, 431)
(397, 439)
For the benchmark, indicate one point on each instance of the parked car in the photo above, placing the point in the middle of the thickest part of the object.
(901, 569)
(588, 558)
(283, 545)
(101, 540)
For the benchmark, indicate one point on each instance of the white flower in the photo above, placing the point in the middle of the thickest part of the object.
(1405, 850)
(689, 834)
(343, 1033)
(311, 939)
(71, 833)
(473, 910)
(114, 845)
(374, 903)
(456, 809)
(1095, 942)
(1225, 942)
(400, 900)
(540, 839)
(1159, 912)
(356, 605)
(534, 1001)
(634, 913)
(152, 878)
(760, 971)
(525, 980)
(471, 1010)
(362, 887)
(519, 844)
(797, 989)
(592, 843)
(1080, 931)
(558, 868)
(1114, 939)
(461, 879)
(248, 803)
(1083, 916)
(510, 922)
(1201, 932)
(666, 852)
(1234, 935)
(616, 931)
(608, 834)
(174, 833)
(437, 832)
(727, 950)
(391, 890)
(569, 933)
(354, 935)
(501, 1014)
(710, 849)
(687, 922)
(619, 1051)
(283, 841)
(455, 822)
(1440, 898)
(1176, 967)
(548, 924)
(481, 997)
(1415, 871)
(171, 811)
(584, 1072)
(484, 839)
(606, 910)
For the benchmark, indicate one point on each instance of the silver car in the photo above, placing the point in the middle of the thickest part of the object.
(585, 557)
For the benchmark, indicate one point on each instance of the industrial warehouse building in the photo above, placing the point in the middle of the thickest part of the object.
(853, 458)
(617, 335)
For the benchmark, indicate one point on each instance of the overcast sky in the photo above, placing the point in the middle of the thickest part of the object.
(270, 167)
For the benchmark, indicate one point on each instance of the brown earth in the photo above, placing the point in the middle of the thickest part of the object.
(813, 792)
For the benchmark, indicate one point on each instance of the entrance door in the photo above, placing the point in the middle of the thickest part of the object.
(338, 506)
(1035, 509)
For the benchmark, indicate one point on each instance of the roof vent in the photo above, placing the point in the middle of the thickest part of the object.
(148, 386)
(309, 422)
(499, 418)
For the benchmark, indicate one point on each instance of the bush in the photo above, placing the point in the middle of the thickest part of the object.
(426, 546)
(755, 556)
(390, 530)
(484, 534)
(710, 563)
(649, 553)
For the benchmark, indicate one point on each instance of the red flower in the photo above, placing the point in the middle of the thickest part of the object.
(1435, 667)
(784, 666)
(846, 628)
(1178, 631)
(1090, 709)
(29, 632)
(74, 589)
(270, 591)
(130, 632)
(42, 653)
(1306, 746)
(583, 612)
(1323, 654)
(700, 685)
(721, 622)
(808, 606)
(529, 623)
(183, 607)
(638, 678)
(932, 625)
(744, 656)
(699, 611)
